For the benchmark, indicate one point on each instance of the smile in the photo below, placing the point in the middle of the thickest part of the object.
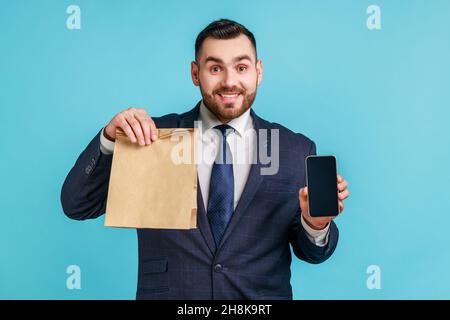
(229, 98)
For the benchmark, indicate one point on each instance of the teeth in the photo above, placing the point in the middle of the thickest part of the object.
(229, 95)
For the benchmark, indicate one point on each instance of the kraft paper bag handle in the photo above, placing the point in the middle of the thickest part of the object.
(163, 133)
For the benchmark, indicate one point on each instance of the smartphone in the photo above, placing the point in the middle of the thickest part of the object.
(321, 179)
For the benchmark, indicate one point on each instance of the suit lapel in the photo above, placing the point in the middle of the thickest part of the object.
(187, 121)
(203, 223)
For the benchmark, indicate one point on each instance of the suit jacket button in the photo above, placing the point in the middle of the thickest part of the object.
(218, 267)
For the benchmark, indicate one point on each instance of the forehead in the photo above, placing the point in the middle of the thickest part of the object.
(228, 49)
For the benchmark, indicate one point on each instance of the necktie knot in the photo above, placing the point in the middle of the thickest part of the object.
(224, 153)
(224, 129)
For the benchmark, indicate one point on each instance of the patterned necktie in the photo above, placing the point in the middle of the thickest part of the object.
(221, 189)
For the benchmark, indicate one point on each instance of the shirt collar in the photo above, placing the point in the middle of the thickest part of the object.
(209, 120)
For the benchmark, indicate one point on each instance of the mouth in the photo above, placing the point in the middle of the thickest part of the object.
(228, 97)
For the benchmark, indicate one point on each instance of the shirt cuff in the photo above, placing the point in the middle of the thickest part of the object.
(318, 237)
(106, 146)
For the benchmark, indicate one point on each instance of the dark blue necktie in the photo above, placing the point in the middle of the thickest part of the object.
(221, 188)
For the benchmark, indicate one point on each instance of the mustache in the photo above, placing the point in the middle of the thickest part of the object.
(229, 90)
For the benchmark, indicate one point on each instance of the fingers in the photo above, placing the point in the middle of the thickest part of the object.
(146, 128)
(343, 192)
(343, 195)
(154, 130)
(144, 121)
(123, 123)
(138, 126)
(303, 192)
(149, 127)
(342, 186)
(303, 195)
(303, 199)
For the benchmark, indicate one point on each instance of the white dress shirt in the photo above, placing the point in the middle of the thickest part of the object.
(239, 144)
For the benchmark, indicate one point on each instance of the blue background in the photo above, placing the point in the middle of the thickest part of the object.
(378, 100)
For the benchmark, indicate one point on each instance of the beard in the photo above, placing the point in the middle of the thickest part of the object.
(225, 112)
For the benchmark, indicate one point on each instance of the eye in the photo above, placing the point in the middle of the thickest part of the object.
(242, 68)
(215, 69)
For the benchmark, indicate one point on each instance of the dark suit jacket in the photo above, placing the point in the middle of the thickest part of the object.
(252, 262)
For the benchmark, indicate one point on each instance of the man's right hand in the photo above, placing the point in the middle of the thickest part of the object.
(137, 125)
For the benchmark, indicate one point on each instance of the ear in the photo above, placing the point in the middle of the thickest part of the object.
(259, 71)
(194, 73)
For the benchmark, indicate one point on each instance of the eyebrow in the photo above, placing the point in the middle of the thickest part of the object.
(236, 59)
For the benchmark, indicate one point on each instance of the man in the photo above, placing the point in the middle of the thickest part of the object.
(246, 220)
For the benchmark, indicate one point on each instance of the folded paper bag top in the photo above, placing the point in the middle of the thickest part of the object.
(154, 186)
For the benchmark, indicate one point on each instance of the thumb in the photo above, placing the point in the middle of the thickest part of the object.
(304, 192)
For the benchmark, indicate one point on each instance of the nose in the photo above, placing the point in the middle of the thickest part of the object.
(230, 79)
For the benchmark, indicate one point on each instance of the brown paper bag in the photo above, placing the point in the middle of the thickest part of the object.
(147, 188)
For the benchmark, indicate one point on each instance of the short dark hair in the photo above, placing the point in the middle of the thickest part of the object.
(223, 29)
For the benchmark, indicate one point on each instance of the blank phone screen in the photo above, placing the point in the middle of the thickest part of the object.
(322, 186)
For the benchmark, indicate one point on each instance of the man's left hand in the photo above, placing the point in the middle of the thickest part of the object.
(319, 223)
